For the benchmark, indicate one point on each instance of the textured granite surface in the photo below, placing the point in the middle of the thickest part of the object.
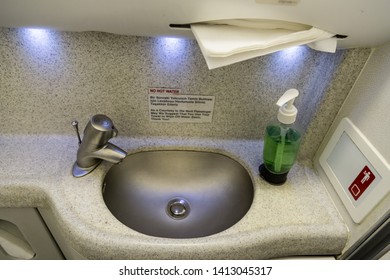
(49, 78)
(297, 218)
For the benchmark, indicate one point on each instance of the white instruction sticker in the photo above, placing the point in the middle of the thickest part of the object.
(180, 108)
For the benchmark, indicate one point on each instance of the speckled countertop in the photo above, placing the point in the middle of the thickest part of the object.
(297, 218)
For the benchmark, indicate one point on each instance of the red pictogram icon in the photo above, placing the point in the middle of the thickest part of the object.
(361, 183)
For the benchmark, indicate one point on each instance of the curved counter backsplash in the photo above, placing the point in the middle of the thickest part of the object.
(48, 78)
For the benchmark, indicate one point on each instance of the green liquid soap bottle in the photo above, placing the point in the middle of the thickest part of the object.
(281, 141)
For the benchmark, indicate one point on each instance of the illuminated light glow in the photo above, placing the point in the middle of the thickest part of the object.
(171, 47)
(173, 44)
(290, 54)
(171, 54)
(37, 36)
(291, 50)
(285, 61)
(290, 58)
(41, 47)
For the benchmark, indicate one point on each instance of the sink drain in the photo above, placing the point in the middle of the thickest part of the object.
(178, 208)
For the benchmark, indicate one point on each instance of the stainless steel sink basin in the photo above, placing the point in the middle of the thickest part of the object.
(178, 194)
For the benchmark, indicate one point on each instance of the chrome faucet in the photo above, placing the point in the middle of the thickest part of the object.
(95, 146)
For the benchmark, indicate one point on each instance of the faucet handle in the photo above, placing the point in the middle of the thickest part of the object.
(99, 130)
(75, 125)
(104, 124)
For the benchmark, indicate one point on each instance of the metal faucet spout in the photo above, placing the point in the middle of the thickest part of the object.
(110, 153)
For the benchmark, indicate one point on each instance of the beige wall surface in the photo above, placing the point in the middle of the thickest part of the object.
(49, 78)
(367, 106)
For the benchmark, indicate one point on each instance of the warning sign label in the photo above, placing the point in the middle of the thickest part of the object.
(165, 107)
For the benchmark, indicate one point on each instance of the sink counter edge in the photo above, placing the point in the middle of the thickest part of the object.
(297, 218)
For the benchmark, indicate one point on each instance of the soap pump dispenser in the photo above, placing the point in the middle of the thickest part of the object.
(281, 141)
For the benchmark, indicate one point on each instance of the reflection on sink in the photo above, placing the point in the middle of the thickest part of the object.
(178, 194)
